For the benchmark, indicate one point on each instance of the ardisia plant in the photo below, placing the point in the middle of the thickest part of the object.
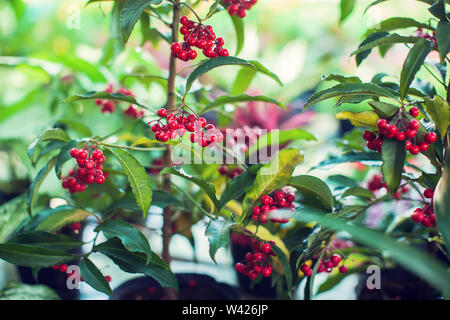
(155, 158)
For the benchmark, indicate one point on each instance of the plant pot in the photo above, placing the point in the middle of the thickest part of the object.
(240, 245)
(192, 286)
(396, 284)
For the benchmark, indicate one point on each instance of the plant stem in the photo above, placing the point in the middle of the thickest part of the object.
(167, 185)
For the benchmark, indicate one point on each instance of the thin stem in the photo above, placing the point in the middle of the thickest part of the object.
(192, 9)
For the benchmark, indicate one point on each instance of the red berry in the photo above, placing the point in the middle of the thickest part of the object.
(414, 125)
(414, 112)
(428, 193)
(82, 154)
(266, 248)
(63, 268)
(192, 54)
(369, 136)
(335, 259)
(414, 150)
(242, 13)
(410, 133)
(74, 152)
(430, 137)
(343, 269)
(382, 123)
(252, 275)
(256, 211)
(266, 200)
(267, 271)
(100, 179)
(162, 112)
(184, 20)
(89, 164)
(400, 136)
(423, 146)
(239, 267)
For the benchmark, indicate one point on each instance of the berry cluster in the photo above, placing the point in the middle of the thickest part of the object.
(230, 172)
(325, 265)
(64, 267)
(427, 36)
(278, 199)
(108, 106)
(200, 36)
(180, 121)
(376, 184)
(425, 215)
(239, 7)
(89, 169)
(256, 262)
(400, 129)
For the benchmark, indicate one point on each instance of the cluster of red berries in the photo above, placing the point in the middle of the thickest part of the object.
(325, 265)
(425, 215)
(200, 36)
(64, 267)
(178, 122)
(230, 172)
(108, 106)
(256, 262)
(239, 7)
(427, 36)
(376, 183)
(278, 199)
(89, 169)
(400, 130)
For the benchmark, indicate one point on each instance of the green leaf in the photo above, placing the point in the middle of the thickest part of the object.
(413, 62)
(218, 234)
(198, 180)
(443, 39)
(238, 25)
(346, 7)
(46, 240)
(222, 100)
(358, 192)
(34, 187)
(383, 39)
(64, 156)
(441, 201)
(21, 291)
(49, 135)
(383, 109)
(314, 186)
(285, 265)
(138, 178)
(340, 78)
(136, 262)
(271, 176)
(103, 95)
(131, 237)
(414, 260)
(60, 218)
(393, 154)
(12, 213)
(236, 188)
(164, 199)
(335, 279)
(395, 23)
(360, 56)
(279, 137)
(32, 256)
(439, 111)
(243, 80)
(367, 158)
(438, 10)
(260, 68)
(350, 89)
(93, 277)
(130, 14)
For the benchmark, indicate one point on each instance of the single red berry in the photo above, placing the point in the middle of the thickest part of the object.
(239, 267)
(192, 54)
(414, 112)
(410, 133)
(242, 13)
(266, 200)
(335, 259)
(266, 248)
(74, 152)
(162, 112)
(414, 125)
(414, 150)
(184, 20)
(400, 136)
(382, 123)
(369, 136)
(428, 193)
(97, 154)
(82, 154)
(424, 146)
(182, 55)
(343, 269)
(430, 137)
(89, 164)
(100, 179)
(108, 278)
(63, 268)
(252, 275)
(390, 131)
(267, 271)
(256, 211)
(223, 169)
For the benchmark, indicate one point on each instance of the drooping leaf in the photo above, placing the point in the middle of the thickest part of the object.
(49, 135)
(443, 39)
(346, 7)
(314, 186)
(279, 137)
(271, 176)
(395, 23)
(218, 234)
(32, 256)
(131, 237)
(384, 39)
(46, 240)
(285, 264)
(137, 177)
(92, 95)
(410, 258)
(238, 25)
(439, 111)
(360, 56)
(34, 187)
(12, 213)
(383, 109)
(222, 100)
(413, 62)
(60, 218)
(393, 154)
(438, 10)
(93, 277)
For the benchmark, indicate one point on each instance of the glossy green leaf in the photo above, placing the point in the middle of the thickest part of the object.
(443, 39)
(60, 218)
(218, 234)
(383, 109)
(131, 237)
(372, 37)
(350, 89)
(393, 154)
(93, 95)
(164, 199)
(346, 8)
(413, 62)
(46, 240)
(93, 277)
(385, 39)
(34, 187)
(438, 10)
(49, 135)
(222, 100)
(236, 187)
(414, 260)
(136, 262)
(279, 137)
(138, 178)
(395, 23)
(32, 256)
(271, 176)
(439, 111)
(314, 186)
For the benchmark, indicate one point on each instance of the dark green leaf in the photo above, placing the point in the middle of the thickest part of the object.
(441, 201)
(393, 154)
(34, 187)
(438, 10)
(236, 188)
(32, 256)
(312, 185)
(367, 158)
(285, 264)
(399, 23)
(382, 39)
(413, 62)
(383, 109)
(46, 240)
(360, 56)
(164, 199)
(64, 156)
(443, 39)
(137, 177)
(49, 135)
(93, 277)
(218, 234)
(341, 79)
